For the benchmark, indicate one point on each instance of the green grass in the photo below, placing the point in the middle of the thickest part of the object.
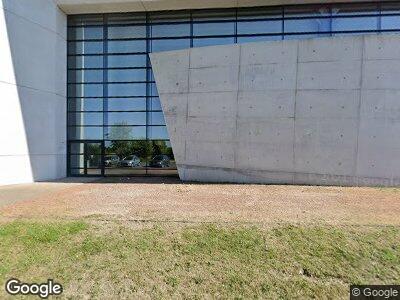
(99, 260)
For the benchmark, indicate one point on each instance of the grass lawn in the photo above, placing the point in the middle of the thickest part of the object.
(125, 260)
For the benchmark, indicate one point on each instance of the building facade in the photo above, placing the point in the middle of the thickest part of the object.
(299, 93)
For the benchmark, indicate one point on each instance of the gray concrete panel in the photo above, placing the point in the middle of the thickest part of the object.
(320, 111)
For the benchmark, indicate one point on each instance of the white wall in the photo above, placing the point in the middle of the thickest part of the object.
(318, 111)
(32, 91)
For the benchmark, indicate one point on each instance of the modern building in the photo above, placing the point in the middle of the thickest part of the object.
(263, 91)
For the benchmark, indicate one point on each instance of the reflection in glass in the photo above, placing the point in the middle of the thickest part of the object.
(127, 61)
(126, 75)
(85, 118)
(212, 41)
(126, 90)
(168, 45)
(85, 90)
(85, 47)
(95, 61)
(122, 104)
(127, 46)
(82, 104)
(126, 32)
(85, 133)
(125, 132)
(79, 76)
(126, 118)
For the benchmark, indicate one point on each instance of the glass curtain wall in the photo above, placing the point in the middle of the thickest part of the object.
(115, 121)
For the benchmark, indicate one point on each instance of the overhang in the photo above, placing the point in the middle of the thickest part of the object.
(106, 6)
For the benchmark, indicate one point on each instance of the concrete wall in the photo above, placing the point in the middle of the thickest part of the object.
(318, 111)
(32, 90)
(102, 6)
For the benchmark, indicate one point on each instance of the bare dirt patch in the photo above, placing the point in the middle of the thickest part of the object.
(170, 200)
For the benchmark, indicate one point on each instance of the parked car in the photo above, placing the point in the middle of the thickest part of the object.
(111, 161)
(131, 161)
(160, 161)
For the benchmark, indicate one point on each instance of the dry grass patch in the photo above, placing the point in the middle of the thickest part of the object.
(116, 260)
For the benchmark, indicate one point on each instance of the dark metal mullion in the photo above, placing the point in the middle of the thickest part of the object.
(283, 22)
(112, 68)
(380, 17)
(112, 111)
(148, 85)
(105, 89)
(191, 29)
(236, 26)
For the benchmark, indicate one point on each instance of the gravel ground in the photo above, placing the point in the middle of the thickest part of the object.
(166, 199)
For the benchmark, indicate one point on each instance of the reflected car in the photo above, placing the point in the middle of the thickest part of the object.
(160, 161)
(131, 161)
(111, 161)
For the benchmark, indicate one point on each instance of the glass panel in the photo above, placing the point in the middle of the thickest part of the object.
(77, 161)
(85, 133)
(204, 29)
(352, 24)
(155, 104)
(168, 45)
(162, 158)
(85, 62)
(85, 33)
(170, 30)
(120, 104)
(93, 148)
(78, 76)
(95, 104)
(77, 148)
(126, 61)
(125, 118)
(93, 161)
(156, 118)
(77, 172)
(85, 90)
(126, 90)
(308, 25)
(126, 157)
(390, 22)
(153, 90)
(157, 133)
(301, 36)
(127, 46)
(125, 133)
(250, 39)
(84, 119)
(126, 32)
(85, 47)
(126, 75)
(257, 27)
(212, 41)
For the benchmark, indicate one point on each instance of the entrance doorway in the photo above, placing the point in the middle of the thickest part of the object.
(121, 158)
